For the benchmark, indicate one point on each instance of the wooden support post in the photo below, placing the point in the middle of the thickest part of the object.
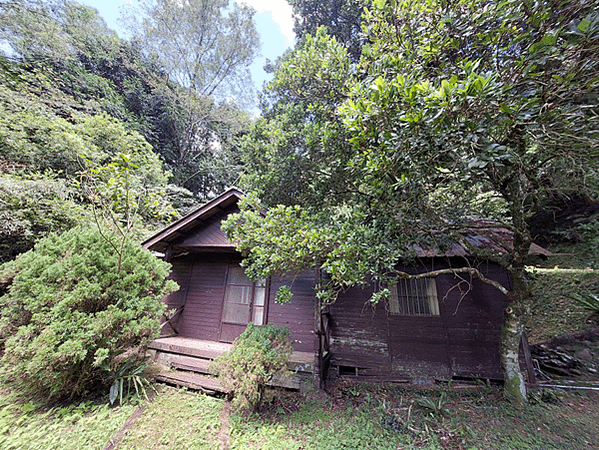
(169, 253)
(316, 373)
(528, 359)
(321, 344)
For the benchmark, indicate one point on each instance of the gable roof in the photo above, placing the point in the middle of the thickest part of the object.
(180, 229)
(210, 236)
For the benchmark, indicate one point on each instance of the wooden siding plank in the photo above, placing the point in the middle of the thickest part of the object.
(191, 380)
(202, 314)
(359, 333)
(298, 315)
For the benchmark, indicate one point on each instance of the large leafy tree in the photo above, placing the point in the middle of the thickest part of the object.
(72, 46)
(299, 142)
(459, 113)
(342, 19)
(206, 47)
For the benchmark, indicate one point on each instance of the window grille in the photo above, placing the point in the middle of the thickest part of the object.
(414, 297)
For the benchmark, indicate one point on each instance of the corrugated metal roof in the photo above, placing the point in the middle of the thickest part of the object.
(496, 239)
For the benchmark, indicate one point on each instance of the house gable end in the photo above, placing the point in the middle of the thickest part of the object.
(200, 228)
(208, 234)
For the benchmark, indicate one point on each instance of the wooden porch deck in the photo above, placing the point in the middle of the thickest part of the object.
(194, 356)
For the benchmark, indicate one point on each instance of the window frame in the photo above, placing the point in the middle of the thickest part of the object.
(235, 270)
(413, 297)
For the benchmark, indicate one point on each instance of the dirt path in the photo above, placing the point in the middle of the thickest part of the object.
(223, 435)
(118, 437)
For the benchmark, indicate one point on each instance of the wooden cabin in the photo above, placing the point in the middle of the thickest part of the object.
(439, 328)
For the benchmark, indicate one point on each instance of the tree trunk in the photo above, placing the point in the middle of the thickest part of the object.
(511, 333)
(517, 192)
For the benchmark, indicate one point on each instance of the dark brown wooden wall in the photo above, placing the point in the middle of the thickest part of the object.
(203, 308)
(202, 278)
(359, 333)
(462, 341)
(298, 315)
(474, 324)
(209, 233)
(179, 273)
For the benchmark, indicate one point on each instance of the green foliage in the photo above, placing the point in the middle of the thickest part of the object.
(585, 234)
(35, 139)
(283, 295)
(541, 396)
(71, 64)
(369, 417)
(76, 426)
(456, 115)
(32, 206)
(342, 19)
(130, 371)
(204, 45)
(204, 48)
(588, 301)
(258, 355)
(120, 196)
(437, 408)
(296, 153)
(69, 310)
(552, 310)
(42, 128)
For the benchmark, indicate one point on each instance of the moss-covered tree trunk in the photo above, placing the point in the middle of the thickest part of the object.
(511, 333)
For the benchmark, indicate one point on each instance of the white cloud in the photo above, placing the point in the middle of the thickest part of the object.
(281, 15)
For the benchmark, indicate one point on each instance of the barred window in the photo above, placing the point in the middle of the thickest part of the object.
(414, 297)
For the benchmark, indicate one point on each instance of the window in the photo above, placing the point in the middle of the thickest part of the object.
(414, 297)
(245, 300)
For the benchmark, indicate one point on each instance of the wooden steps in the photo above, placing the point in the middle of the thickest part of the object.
(191, 359)
(191, 380)
(190, 347)
(183, 362)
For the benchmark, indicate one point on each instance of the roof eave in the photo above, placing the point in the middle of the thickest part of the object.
(225, 199)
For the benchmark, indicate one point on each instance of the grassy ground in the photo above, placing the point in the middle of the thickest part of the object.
(350, 417)
(79, 426)
(395, 417)
(177, 419)
(552, 311)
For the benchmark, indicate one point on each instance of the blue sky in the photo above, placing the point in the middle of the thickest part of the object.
(273, 20)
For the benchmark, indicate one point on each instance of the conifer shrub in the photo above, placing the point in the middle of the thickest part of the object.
(258, 355)
(68, 312)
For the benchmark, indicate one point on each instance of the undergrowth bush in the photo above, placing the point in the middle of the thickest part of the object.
(68, 312)
(258, 355)
(588, 301)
